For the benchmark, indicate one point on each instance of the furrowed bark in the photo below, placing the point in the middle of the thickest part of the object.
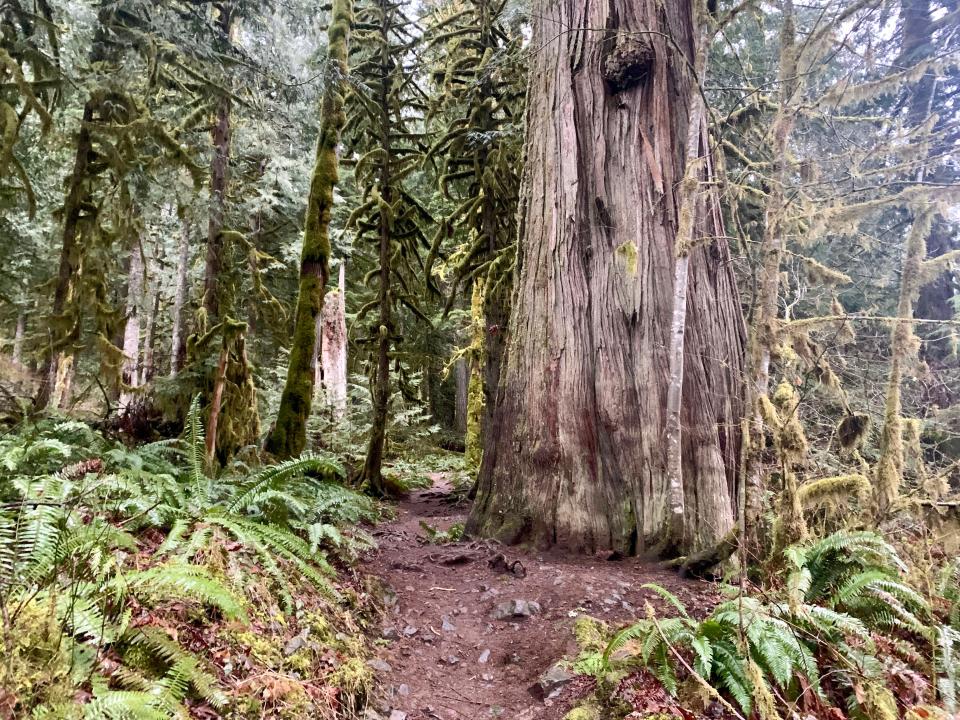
(577, 458)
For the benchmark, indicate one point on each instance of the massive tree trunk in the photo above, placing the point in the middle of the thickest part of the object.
(576, 456)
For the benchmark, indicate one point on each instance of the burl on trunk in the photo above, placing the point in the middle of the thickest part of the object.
(577, 457)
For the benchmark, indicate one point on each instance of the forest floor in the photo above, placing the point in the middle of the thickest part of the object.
(444, 654)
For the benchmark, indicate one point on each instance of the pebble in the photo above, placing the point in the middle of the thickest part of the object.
(515, 608)
(553, 680)
(409, 631)
(447, 626)
(484, 656)
(403, 690)
(398, 715)
(389, 632)
(379, 665)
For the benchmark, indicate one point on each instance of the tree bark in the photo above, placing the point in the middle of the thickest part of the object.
(17, 357)
(461, 376)
(129, 369)
(178, 338)
(150, 340)
(577, 457)
(64, 329)
(332, 364)
(221, 135)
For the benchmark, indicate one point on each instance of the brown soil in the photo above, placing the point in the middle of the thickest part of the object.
(439, 624)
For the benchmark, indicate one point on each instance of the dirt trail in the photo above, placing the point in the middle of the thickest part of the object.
(444, 656)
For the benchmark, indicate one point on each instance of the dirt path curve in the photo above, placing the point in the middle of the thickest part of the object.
(445, 656)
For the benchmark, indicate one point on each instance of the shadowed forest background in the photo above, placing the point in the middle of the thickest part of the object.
(627, 329)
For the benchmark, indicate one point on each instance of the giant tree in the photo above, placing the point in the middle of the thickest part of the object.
(578, 457)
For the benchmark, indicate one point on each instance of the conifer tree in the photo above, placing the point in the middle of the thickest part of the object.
(384, 127)
(476, 67)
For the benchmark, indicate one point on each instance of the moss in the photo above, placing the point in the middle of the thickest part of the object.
(629, 255)
(289, 435)
(591, 634)
(834, 491)
(353, 677)
(587, 711)
(37, 670)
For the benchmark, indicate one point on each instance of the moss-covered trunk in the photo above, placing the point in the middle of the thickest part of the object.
(380, 385)
(64, 326)
(289, 434)
(575, 454)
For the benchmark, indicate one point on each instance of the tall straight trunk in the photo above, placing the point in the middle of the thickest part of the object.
(577, 457)
(64, 330)
(289, 434)
(129, 368)
(689, 194)
(332, 363)
(889, 471)
(380, 385)
(221, 135)
(18, 334)
(461, 376)
(150, 340)
(178, 338)
(763, 326)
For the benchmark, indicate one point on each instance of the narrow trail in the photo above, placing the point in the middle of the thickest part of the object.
(444, 654)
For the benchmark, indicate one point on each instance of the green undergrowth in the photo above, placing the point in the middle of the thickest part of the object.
(837, 633)
(138, 583)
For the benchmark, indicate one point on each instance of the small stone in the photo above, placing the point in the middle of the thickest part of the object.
(371, 714)
(557, 581)
(403, 690)
(409, 588)
(452, 660)
(514, 659)
(398, 715)
(409, 631)
(553, 680)
(379, 665)
(296, 642)
(389, 632)
(484, 657)
(487, 677)
(447, 626)
(515, 609)
(489, 594)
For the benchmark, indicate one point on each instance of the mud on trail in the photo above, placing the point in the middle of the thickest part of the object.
(470, 627)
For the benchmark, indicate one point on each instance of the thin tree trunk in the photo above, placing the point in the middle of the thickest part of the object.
(149, 342)
(461, 376)
(129, 369)
(221, 135)
(577, 457)
(17, 357)
(289, 435)
(216, 400)
(763, 328)
(178, 344)
(381, 379)
(688, 200)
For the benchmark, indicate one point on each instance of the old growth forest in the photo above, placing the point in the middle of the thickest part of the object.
(474, 359)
